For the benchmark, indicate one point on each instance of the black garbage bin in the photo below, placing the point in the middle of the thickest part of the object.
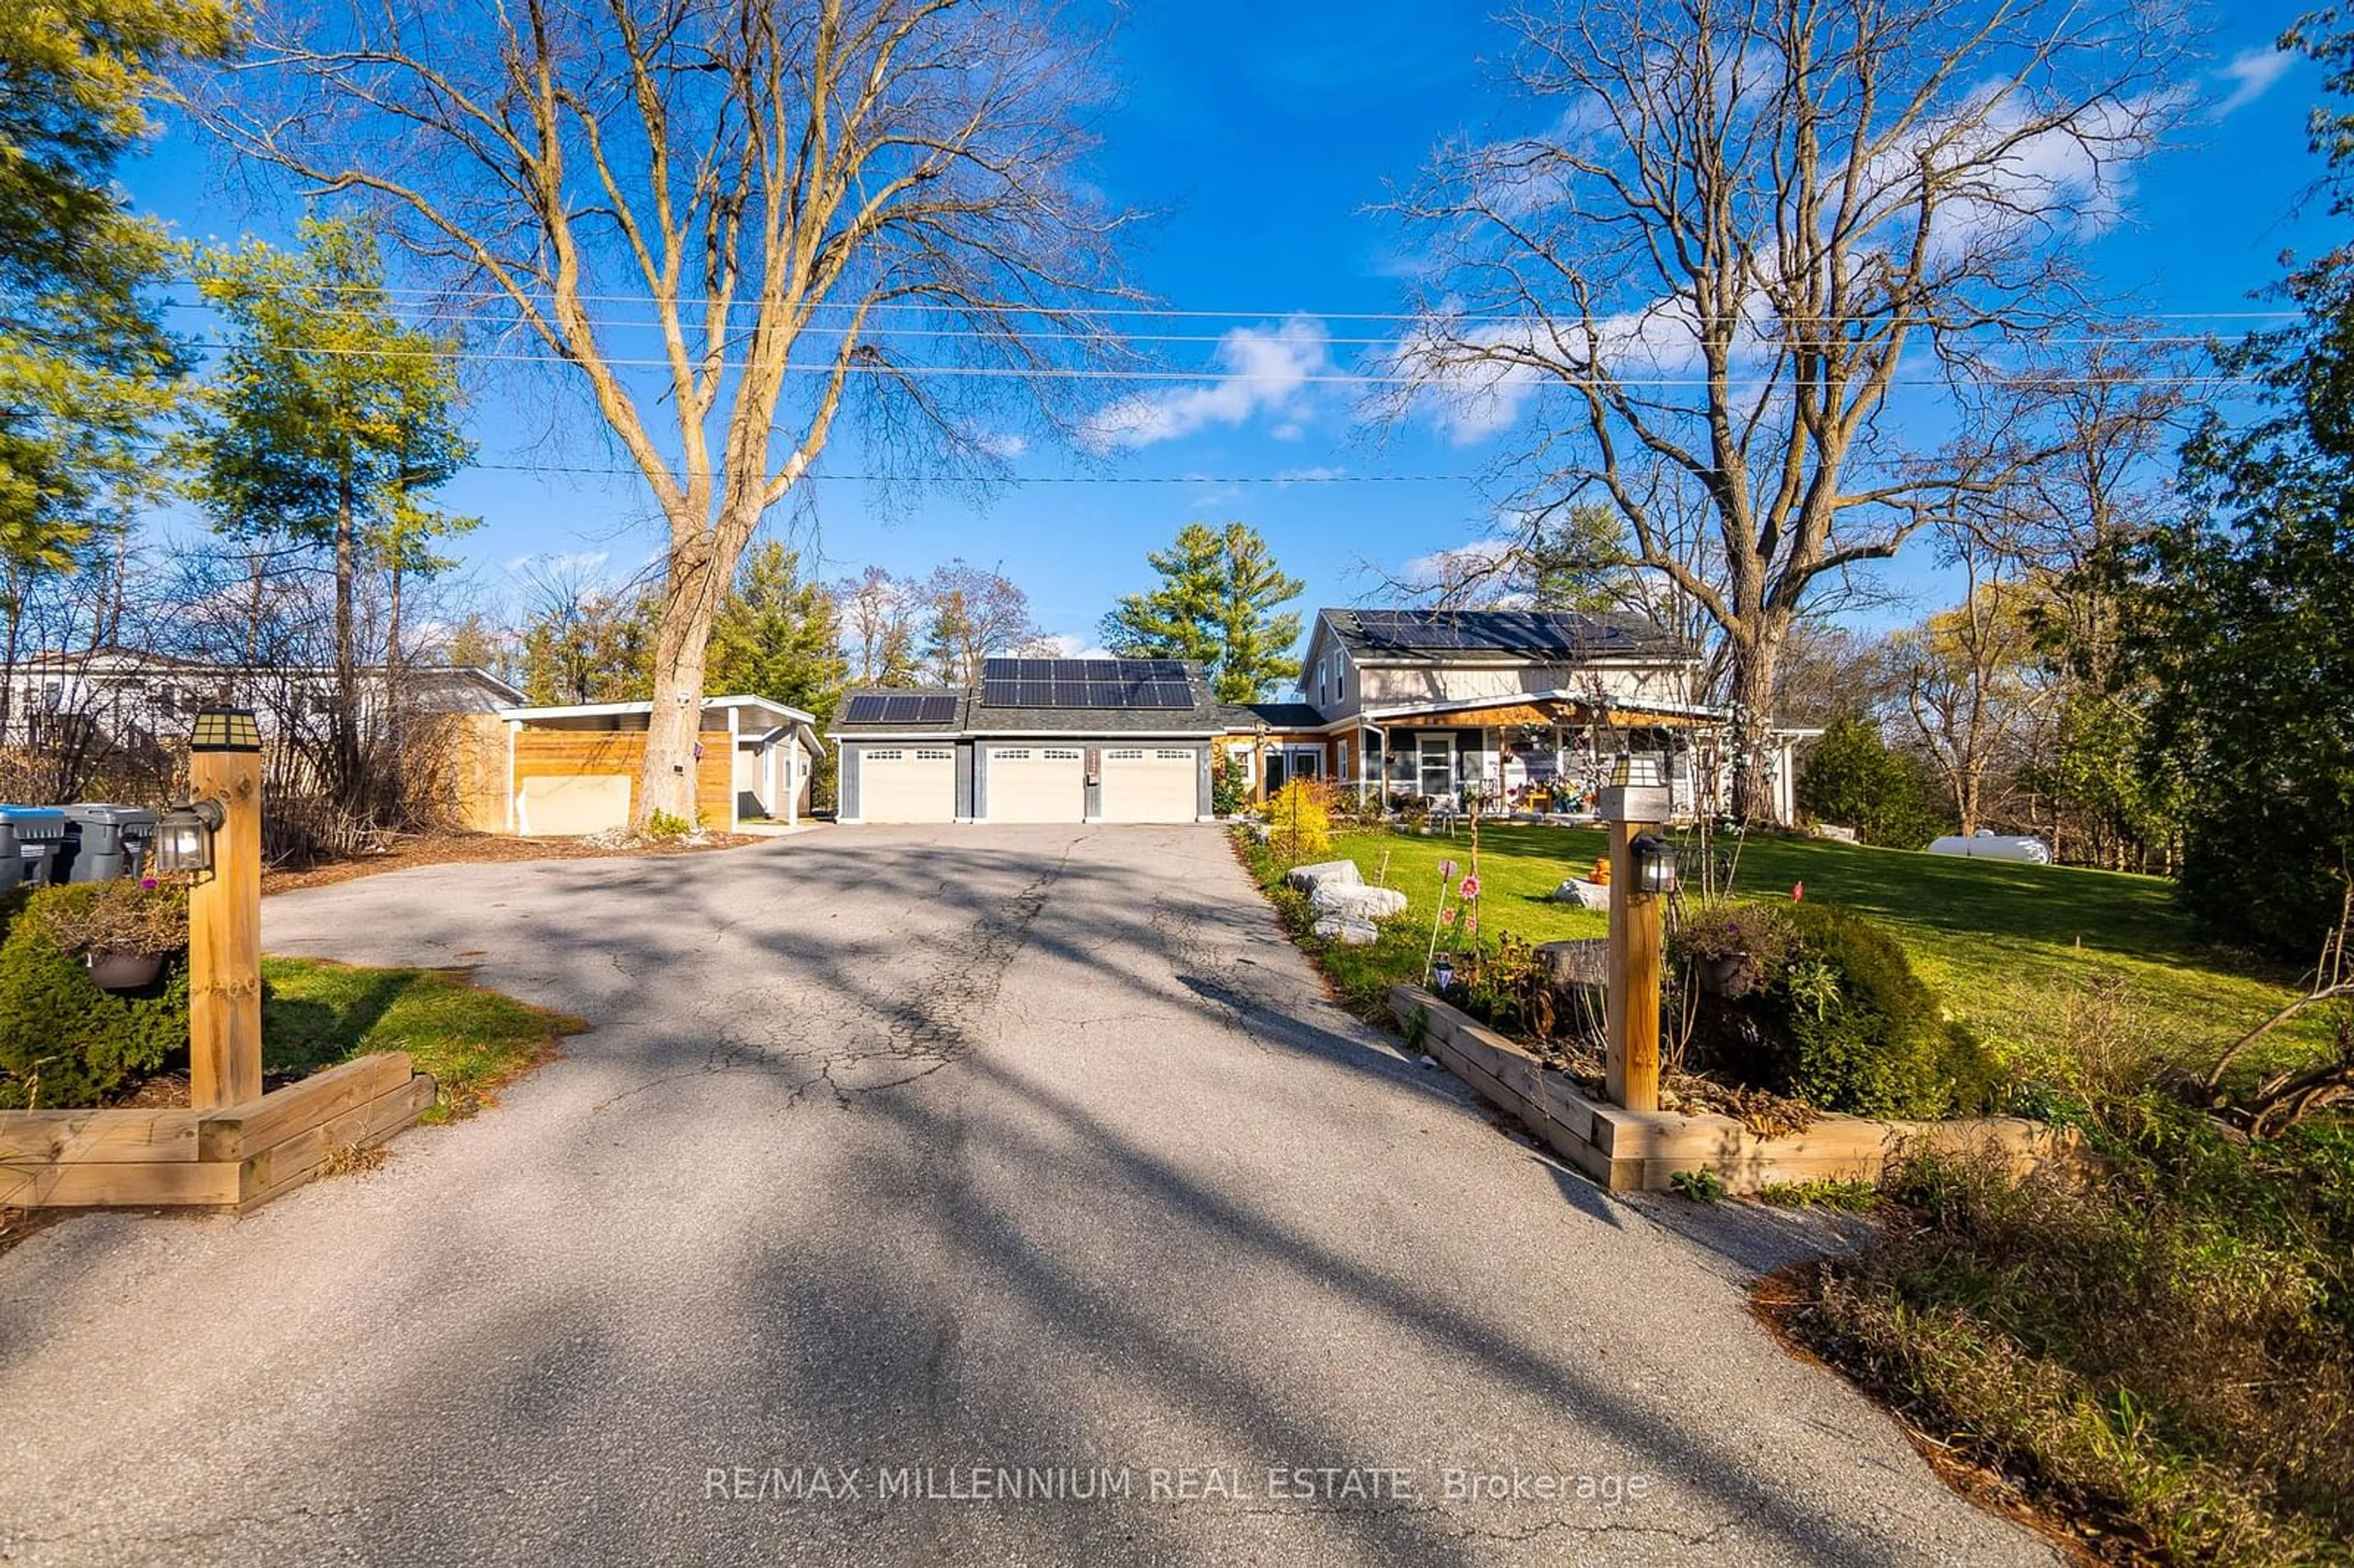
(40, 835)
(104, 843)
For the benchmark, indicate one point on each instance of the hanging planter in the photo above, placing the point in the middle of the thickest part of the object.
(120, 971)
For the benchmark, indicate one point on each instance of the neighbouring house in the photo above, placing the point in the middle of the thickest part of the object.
(137, 698)
(554, 771)
(1038, 740)
(1533, 707)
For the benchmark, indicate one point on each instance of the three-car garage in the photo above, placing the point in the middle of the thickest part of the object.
(1039, 740)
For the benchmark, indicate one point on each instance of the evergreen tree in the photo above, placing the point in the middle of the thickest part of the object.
(1216, 603)
(2246, 621)
(86, 367)
(591, 646)
(330, 423)
(1849, 777)
(777, 636)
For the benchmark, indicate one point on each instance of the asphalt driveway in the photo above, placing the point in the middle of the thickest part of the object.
(927, 1195)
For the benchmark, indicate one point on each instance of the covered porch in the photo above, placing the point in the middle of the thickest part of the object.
(1548, 756)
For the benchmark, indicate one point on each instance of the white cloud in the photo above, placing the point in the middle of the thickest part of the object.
(2251, 73)
(1006, 447)
(578, 566)
(1263, 371)
(1472, 574)
(1066, 645)
(1475, 380)
(1292, 476)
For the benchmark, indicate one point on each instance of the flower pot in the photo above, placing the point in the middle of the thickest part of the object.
(123, 971)
(1730, 975)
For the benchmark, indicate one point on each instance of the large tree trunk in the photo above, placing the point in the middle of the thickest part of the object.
(343, 730)
(692, 591)
(1754, 659)
(395, 754)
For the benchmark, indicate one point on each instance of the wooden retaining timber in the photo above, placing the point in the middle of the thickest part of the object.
(1637, 1151)
(238, 1157)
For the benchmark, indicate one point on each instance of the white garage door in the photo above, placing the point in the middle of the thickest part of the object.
(1037, 784)
(1150, 784)
(907, 784)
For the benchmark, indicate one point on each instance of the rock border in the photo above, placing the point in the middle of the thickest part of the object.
(1638, 1152)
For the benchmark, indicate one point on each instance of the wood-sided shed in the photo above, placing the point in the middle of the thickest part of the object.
(574, 768)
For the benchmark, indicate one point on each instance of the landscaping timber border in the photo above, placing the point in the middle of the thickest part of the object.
(237, 1157)
(1637, 1151)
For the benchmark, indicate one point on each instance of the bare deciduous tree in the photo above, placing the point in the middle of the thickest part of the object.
(1771, 245)
(729, 218)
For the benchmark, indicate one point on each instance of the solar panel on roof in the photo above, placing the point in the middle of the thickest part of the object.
(1102, 684)
(912, 707)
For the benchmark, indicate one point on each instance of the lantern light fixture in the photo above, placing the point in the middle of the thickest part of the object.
(1637, 770)
(1654, 861)
(1442, 973)
(184, 836)
(225, 729)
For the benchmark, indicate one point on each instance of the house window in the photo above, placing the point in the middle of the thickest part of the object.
(934, 756)
(891, 756)
(1060, 756)
(1166, 756)
(1125, 755)
(1341, 682)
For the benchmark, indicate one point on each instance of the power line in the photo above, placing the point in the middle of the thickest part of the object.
(1018, 307)
(1504, 372)
(412, 318)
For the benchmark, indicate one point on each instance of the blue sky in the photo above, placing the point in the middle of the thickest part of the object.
(1263, 132)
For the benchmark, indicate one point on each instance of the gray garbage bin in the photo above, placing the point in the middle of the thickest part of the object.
(105, 842)
(12, 863)
(40, 835)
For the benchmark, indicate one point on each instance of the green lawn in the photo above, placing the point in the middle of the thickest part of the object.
(2027, 955)
(472, 1041)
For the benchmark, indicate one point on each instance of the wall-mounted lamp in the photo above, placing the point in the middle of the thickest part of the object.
(1654, 863)
(184, 836)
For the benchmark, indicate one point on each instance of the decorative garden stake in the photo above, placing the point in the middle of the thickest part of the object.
(1446, 875)
(225, 912)
(1634, 805)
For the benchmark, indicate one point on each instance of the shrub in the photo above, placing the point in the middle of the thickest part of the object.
(63, 1042)
(2170, 1346)
(662, 824)
(1300, 821)
(117, 916)
(1866, 1034)
(1230, 785)
(1831, 1011)
(1849, 777)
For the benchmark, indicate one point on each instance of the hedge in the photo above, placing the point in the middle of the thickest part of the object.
(63, 1042)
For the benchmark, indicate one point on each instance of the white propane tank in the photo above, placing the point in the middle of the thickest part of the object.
(1987, 844)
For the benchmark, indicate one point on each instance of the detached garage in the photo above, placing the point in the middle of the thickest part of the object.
(573, 769)
(1039, 740)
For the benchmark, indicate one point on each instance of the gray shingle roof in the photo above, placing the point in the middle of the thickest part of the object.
(1241, 717)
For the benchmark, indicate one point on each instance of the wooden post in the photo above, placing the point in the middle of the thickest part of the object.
(1631, 1065)
(225, 936)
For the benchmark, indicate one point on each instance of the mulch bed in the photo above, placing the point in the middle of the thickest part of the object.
(412, 850)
